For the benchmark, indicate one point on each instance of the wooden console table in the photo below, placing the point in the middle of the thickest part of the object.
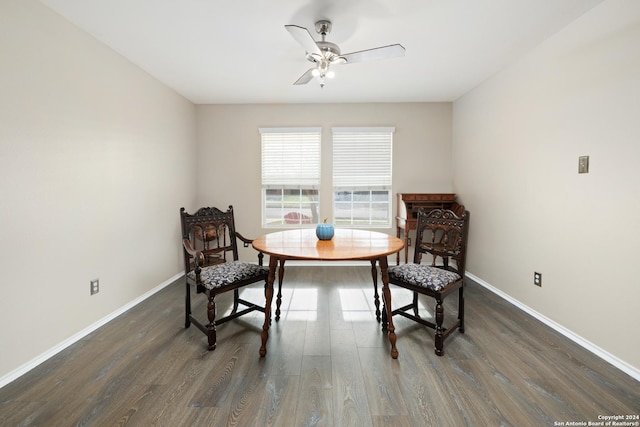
(408, 205)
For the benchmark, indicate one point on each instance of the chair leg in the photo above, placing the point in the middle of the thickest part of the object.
(461, 308)
(376, 297)
(236, 297)
(211, 326)
(439, 338)
(415, 304)
(187, 307)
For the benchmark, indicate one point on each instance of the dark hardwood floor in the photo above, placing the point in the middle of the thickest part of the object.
(328, 364)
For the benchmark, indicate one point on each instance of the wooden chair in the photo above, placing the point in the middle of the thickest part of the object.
(443, 234)
(210, 248)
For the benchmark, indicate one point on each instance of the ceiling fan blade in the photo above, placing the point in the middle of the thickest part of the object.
(305, 78)
(303, 37)
(384, 52)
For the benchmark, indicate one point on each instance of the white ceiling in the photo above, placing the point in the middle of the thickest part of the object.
(221, 51)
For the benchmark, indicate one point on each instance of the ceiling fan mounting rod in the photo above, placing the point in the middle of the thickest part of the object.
(323, 27)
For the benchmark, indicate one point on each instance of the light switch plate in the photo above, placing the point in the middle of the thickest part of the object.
(583, 164)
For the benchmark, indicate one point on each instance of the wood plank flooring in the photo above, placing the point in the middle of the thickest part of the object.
(328, 364)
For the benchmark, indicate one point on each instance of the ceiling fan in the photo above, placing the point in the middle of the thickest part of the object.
(323, 54)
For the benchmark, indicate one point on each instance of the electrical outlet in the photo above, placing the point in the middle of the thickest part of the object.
(537, 279)
(95, 286)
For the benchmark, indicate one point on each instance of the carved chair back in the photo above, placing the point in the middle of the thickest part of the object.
(442, 234)
(211, 232)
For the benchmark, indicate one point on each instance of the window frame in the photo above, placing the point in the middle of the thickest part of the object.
(358, 178)
(296, 168)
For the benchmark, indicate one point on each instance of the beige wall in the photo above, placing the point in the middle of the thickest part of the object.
(95, 159)
(229, 150)
(516, 143)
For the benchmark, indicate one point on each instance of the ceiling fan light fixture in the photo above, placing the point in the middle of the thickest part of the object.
(323, 53)
(322, 72)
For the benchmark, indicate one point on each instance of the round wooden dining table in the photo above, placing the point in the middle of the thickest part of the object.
(346, 245)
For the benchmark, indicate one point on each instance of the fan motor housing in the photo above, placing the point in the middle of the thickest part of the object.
(327, 47)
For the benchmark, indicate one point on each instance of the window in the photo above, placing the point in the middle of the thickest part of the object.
(290, 176)
(362, 159)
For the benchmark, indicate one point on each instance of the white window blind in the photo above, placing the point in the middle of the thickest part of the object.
(362, 157)
(290, 157)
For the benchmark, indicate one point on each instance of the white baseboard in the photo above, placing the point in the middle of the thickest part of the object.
(13, 375)
(603, 354)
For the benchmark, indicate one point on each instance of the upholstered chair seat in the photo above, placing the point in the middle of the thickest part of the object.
(219, 275)
(423, 275)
